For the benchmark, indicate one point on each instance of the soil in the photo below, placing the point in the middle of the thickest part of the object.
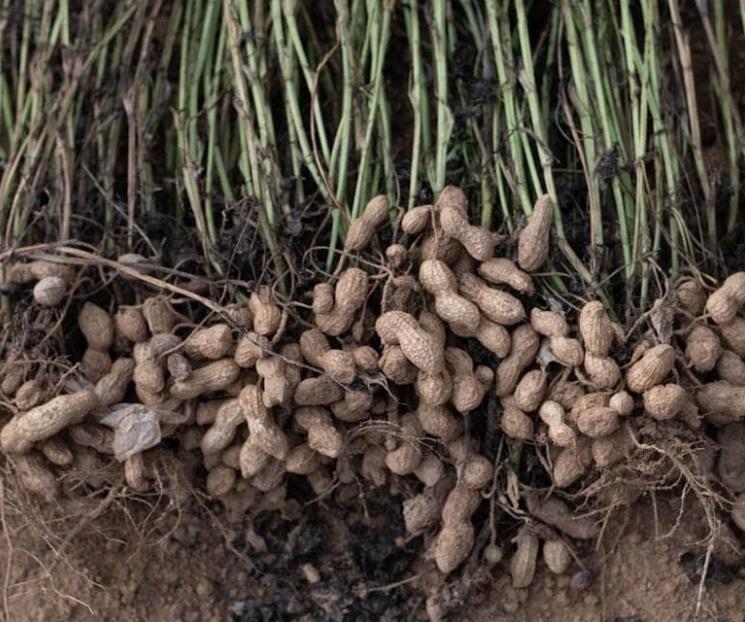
(329, 562)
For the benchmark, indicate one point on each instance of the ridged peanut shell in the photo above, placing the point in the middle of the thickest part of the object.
(97, 327)
(567, 351)
(691, 296)
(597, 421)
(731, 368)
(722, 306)
(703, 348)
(523, 562)
(533, 241)
(516, 424)
(603, 371)
(417, 219)
(664, 401)
(651, 369)
(530, 390)
(497, 305)
(596, 328)
(50, 291)
(210, 343)
(556, 556)
(503, 271)
(363, 228)
(733, 335)
(548, 323)
(453, 544)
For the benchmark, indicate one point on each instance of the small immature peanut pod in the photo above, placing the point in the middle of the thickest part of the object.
(323, 436)
(396, 255)
(438, 421)
(533, 242)
(38, 424)
(596, 328)
(477, 472)
(496, 305)
(30, 394)
(453, 544)
(523, 562)
(665, 401)
(35, 475)
(250, 348)
(57, 451)
(721, 402)
(362, 229)
(557, 556)
(417, 219)
(731, 462)
(210, 343)
(603, 371)
(221, 433)
(503, 271)
(622, 403)
(597, 421)
(266, 314)
(571, 463)
(220, 481)
(50, 291)
(733, 334)
(516, 424)
(129, 323)
(559, 433)
(468, 390)
(213, 376)
(691, 296)
(419, 347)
(349, 296)
(731, 368)
(530, 391)
(406, 457)
(264, 431)
(494, 337)
(461, 315)
(548, 323)
(159, 315)
(651, 369)
(478, 242)
(318, 391)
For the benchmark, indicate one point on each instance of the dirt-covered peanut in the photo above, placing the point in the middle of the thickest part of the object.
(439, 421)
(496, 305)
(302, 460)
(323, 297)
(419, 347)
(220, 481)
(452, 546)
(434, 389)
(362, 229)
(212, 343)
(565, 393)
(129, 324)
(556, 556)
(57, 451)
(178, 366)
(355, 406)
(92, 435)
(597, 421)
(252, 458)
(460, 504)
(366, 359)
(651, 369)
(430, 469)
(691, 296)
(530, 390)
(588, 400)
(533, 241)
(602, 371)
(596, 328)
(461, 314)
(339, 365)
(523, 561)
(722, 306)
(41, 422)
(318, 391)
(516, 424)
(494, 337)
(622, 402)
(731, 461)
(665, 401)
(468, 391)
(423, 511)
(417, 219)
(525, 344)
(478, 472)
(266, 313)
(731, 368)
(612, 449)
(559, 433)
(733, 335)
(250, 348)
(35, 475)
(406, 457)
(38, 270)
(572, 462)
(567, 351)
(556, 513)
(159, 315)
(396, 255)
(50, 291)
(30, 394)
(262, 429)
(97, 327)
(95, 364)
(503, 271)
(478, 242)
(211, 377)
(350, 294)
(228, 417)
(277, 388)
(548, 323)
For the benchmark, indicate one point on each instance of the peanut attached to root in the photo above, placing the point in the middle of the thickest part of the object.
(349, 296)
(496, 305)
(250, 348)
(461, 315)
(524, 348)
(417, 219)
(533, 243)
(530, 390)
(361, 231)
(263, 430)
(213, 376)
(267, 315)
(44, 421)
(478, 242)
(323, 436)
(221, 433)
(468, 388)
(691, 296)
(559, 433)
(417, 345)
(406, 457)
(50, 291)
